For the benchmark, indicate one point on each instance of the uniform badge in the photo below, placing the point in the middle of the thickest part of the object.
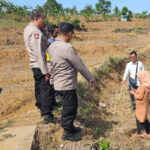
(36, 36)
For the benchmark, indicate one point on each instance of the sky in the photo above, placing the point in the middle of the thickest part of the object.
(136, 6)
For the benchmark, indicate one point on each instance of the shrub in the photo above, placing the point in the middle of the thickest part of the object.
(105, 70)
(113, 61)
(104, 145)
(76, 23)
(67, 18)
(141, 16)
(82, 25)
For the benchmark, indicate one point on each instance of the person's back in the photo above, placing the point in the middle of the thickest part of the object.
(63, 73)
(64, 66)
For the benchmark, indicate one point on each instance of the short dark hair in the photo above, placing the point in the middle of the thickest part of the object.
(36, 13)
(52, 28)
(133, 52)
(65, 28)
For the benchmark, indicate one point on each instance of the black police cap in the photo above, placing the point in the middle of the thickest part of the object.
(66, 27)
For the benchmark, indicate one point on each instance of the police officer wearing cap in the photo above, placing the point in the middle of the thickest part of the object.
(36, 44)
(65, 63)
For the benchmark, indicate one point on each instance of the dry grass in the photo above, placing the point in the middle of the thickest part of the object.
(95, 47)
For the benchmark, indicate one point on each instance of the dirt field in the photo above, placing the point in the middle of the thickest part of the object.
(101, 40)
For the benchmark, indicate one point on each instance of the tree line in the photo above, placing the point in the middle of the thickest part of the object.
(53, 8)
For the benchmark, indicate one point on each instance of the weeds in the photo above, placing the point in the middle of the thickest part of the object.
(105, 70)
(113, 61)
(95, 72)
(112, 39)
(104, 145)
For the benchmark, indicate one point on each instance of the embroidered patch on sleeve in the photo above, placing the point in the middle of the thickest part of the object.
(36, 36)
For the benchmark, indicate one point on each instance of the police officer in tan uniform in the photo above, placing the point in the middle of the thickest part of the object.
(36, 44)
(65, 63)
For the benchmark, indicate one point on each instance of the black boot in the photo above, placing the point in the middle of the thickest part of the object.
(70, 136)
(76, 130)
(48, 119)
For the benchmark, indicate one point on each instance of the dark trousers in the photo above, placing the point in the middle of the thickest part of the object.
(43, 93)
(132, 99)
(69, 111)
(143, 127)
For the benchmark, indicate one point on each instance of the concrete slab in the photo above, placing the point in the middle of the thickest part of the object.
(17, 138)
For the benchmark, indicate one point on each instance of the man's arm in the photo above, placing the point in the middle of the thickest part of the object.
(75, 60)
(126, 73)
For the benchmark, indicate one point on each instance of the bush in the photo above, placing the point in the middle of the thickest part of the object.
(141, 16)
(113, 61)
(67, 18)
(82, 25)
(76, 23)
(105, 70)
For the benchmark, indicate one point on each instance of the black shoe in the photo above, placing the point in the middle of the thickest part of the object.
(57, 104)
(76, 130)
(48, 119)
(71, 137)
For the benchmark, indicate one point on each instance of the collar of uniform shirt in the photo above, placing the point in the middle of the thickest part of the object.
(59, 39)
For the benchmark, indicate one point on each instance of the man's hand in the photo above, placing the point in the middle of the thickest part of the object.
(93, 83)
(47, 77)
(132, 92)
(123, 82)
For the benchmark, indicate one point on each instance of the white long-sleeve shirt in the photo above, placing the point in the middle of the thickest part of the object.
(131, 70)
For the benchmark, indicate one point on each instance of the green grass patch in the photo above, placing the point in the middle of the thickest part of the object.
(12, 23)
(104, 145)
(105, 70)
(113, 61)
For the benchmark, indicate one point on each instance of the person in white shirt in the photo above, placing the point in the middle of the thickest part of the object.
(131, 70)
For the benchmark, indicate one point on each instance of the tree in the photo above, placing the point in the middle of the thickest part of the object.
(127, 12)
(67, 11)
(129, 15)
(87, 11)
(103, 7)
(144, 12)
(74, 11)
(116, 11)
(38, 7)
(51, 7)
(124, 10)
(11, 11)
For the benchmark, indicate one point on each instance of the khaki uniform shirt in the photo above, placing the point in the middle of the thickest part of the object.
(65, 63)
(36, 44)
